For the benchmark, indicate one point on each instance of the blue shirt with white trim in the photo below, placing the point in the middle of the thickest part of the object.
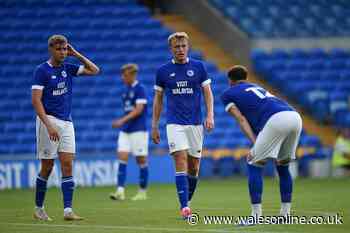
(182, 84)
(132, 95)
(56, 84)
(255, 103)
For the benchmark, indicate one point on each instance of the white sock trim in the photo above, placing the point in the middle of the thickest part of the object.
(67, 210)
(256, 210)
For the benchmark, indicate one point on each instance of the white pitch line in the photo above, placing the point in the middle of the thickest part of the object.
(162, 229)
(141, 229)
(297, 211)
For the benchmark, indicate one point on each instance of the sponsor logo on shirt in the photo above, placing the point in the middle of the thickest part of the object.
(61, 89)
(182, 88)
(53, 77)
(172, 75)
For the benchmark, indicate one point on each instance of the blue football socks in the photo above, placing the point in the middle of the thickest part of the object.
(67, 187)
(255, 182)
(192, 184)
(122, 173)
(181, 181)
(286, 183)
(40, 191)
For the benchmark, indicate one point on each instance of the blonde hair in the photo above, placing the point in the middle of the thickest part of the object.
(178, 36)
(56, 39)
(134, 68)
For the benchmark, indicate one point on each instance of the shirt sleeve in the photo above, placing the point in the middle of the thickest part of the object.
(141, 97)
(227, 101)
(205, 80)
(40, 79)
(74, 70)
(159, 84)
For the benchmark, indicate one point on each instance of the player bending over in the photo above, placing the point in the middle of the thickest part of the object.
(272, 126)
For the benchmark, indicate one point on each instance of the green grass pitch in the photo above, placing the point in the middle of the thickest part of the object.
(160, 213)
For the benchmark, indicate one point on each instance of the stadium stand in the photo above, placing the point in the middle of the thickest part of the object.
(287, 19)
(317, 79)
(121, 31)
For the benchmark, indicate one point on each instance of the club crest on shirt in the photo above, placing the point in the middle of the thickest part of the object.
(64, 74)
(131, 94)
(190, 73)
(53, 77)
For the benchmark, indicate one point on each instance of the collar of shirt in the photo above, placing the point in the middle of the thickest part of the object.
(134, 83)
(174, 62)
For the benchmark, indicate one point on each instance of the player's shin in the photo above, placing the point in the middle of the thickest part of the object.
(192, 184)
(143, 177)
(286, 189)
(40, 191)
(255, 183)
(182, 188)
(67, 187)
(122, 169)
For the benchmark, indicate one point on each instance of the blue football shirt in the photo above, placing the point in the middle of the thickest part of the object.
(182, 84)
(255, 103)
(132, 95)
(56, 83)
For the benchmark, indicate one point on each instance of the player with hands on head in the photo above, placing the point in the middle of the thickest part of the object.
(52, 101)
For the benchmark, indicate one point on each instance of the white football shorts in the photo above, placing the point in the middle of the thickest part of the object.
(47, 149)
(185, 137)
(135, 142)
(279, 138)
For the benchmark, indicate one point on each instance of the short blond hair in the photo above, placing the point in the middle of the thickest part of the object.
(134, 68)
(57, 39)
(178, 36)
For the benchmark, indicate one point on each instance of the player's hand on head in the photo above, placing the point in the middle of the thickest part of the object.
(53, 134)
(209, 124)
(71, 51)
(155, 135)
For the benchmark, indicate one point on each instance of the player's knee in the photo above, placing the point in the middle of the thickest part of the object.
(180, 161)
(193, 171)
(193, 166)
(141, 160)
(66, 167)
(283, 162)
(46, 168)
(123, 156)
(261, 162)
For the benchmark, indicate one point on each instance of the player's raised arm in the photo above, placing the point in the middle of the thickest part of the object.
(243, 123)
(208, 98)
(90, 68)
(157, 110)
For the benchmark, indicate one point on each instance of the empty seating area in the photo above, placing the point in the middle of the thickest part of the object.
(111, 33)
(286, 19)
(317, 79)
